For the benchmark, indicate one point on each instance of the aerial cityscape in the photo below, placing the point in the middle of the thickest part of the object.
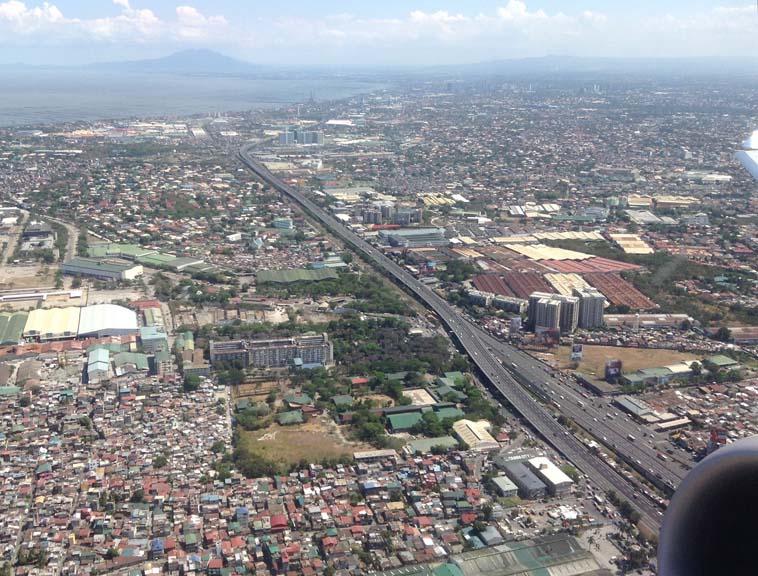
(403, 321)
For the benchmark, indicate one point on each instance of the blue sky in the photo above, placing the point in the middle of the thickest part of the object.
(375, 32)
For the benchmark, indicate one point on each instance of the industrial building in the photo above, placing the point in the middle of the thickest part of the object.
(101, 269)
(558, 484)
(591, 307)
(530, 487)
(102, 320)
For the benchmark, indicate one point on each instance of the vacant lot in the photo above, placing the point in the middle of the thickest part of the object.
(632, 358)
(313, 441)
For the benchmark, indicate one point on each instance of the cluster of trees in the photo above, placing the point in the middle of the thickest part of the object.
(385, 346)
(370, 290)
(431, 426)
(82, 243)
(35, 556)
(457, 271)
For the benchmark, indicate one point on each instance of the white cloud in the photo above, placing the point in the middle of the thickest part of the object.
(515, 28)
(130, 25)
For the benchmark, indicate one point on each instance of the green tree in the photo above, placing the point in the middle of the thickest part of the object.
(160, 461)
(191, 382)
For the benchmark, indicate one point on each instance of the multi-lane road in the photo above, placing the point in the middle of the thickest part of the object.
(495, 360)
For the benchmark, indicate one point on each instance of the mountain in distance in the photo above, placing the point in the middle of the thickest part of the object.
(194, 61)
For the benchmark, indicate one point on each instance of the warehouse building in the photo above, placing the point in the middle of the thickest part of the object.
(102, 320)
(101, 269)
(558, 484)
(52, 323)
(475, 435)
(72, 322)
(12, 327)
(530, 487)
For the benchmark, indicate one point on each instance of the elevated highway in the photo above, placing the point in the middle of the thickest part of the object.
(490, 361)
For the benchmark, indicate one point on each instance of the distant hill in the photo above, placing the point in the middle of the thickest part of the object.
(185, 62)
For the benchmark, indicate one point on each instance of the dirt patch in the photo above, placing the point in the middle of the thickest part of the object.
(633, 359)
(313, 441)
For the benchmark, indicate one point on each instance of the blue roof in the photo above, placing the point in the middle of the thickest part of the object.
(152, 333)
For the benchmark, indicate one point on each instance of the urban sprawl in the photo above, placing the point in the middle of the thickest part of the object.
(445, 328)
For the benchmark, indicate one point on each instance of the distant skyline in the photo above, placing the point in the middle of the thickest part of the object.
(390, 32)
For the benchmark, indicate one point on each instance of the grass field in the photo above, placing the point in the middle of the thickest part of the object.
(312, 441)
(632, 358)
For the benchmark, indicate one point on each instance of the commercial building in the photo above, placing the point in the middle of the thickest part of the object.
(415, 237)
(480, 298)
(510, 304)
(102, 320)
(530, 487)
(558, 483)
(475, 435)
(591, 307)
(311, 349)
(231, 352)
(307, 349)
(153, 338)
(544, 313)
(553, 311)
(101, 269)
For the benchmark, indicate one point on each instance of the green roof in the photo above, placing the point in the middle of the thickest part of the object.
(9, 390)
(294, 417)
(722, 361)
(443, 413)
(126, 250)
(294, 398)
(455, 376)
(79, 265)
(139, 360)
(342, 400)
(423, 445)
(156, 259)
(296, 275)
(11, 327)
(399, 422)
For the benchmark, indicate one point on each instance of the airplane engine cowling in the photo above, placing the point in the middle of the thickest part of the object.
(711, 525)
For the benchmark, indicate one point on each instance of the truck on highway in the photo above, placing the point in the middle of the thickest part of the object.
(631, 438)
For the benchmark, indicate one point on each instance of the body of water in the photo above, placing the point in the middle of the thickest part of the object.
(38, 97)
